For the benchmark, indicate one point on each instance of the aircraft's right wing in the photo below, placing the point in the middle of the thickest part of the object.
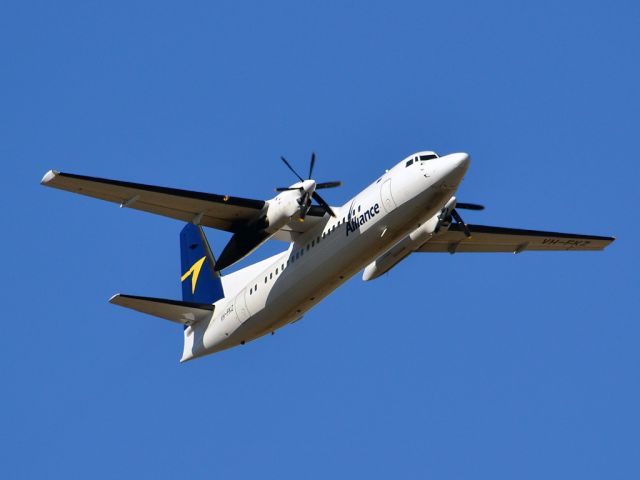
(223, 212)
(217, 211)
(500, 239)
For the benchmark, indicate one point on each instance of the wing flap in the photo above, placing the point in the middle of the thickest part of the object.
(216, 211)
(186, 313)
(499, 239)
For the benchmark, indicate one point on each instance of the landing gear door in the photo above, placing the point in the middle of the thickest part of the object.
(385, 195)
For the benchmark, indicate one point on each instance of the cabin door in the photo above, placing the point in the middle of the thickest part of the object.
(386, 197)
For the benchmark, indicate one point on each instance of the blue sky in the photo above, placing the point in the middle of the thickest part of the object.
(487, 366)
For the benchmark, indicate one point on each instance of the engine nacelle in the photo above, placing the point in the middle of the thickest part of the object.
(280, 210)
(410, 243)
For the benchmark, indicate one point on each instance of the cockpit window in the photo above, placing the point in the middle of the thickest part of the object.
(409, 162)
(428, 157)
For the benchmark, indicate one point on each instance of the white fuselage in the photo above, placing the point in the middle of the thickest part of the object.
(320, 260)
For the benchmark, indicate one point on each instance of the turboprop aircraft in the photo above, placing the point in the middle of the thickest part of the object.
(410, 208)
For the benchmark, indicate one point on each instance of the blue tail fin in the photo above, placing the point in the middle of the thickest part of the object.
(200, 282)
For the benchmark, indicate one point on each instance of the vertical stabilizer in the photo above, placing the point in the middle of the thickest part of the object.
(200, 282)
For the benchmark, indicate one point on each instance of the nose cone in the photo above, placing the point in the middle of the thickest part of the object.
(456, 167)
(460, 161)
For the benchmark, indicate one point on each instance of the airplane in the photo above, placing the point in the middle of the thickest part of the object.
(410, 208)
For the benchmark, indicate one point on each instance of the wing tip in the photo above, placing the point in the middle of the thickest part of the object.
(114, 298)
(49, 177)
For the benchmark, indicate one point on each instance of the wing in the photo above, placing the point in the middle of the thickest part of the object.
(499, 239)
(217, 211)
(223, 212)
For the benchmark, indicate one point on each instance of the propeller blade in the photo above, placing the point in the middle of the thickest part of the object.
(286, 189)
(323, 204)
(291, 168)
(469, 206)
(459, 220)
(312, 164)
(328, 185)
(305, 203)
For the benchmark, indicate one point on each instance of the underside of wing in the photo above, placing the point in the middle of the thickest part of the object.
(216, 211)
(499, 239)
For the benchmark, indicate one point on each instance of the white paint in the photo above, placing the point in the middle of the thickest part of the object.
(327, 255)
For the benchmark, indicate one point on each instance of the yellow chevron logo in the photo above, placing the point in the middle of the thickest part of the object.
(194, 272)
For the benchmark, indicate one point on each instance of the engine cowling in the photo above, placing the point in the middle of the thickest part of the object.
(280, 210)
(410, 243)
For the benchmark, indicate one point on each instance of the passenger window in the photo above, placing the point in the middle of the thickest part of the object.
(276, 270)
(313, 244)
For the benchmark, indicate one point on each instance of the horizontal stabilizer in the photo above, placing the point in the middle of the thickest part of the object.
(186, 313)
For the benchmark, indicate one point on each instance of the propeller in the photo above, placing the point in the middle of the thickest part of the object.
(458, 219)
(328, 185)
(292, 169)
(312, 164)
(469, 206)
(305, 199)
(456, 216)
(319, 186)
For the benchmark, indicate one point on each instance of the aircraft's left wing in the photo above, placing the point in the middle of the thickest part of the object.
(499, 239)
